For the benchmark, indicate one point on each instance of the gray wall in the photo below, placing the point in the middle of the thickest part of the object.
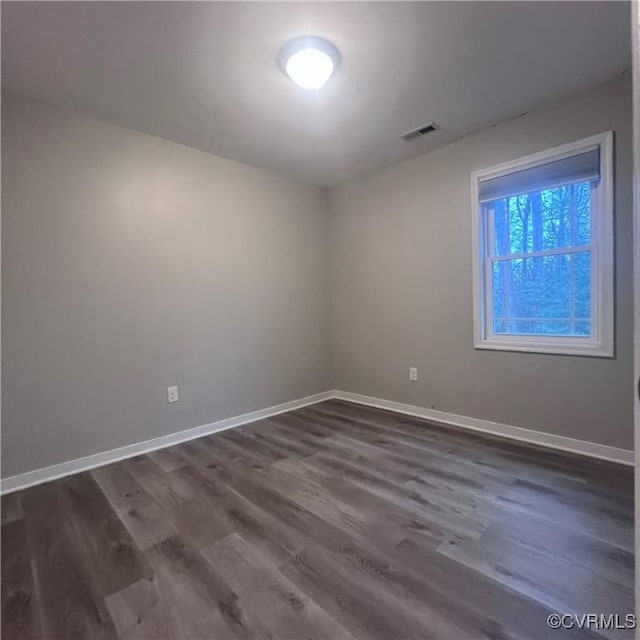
(130, 263)
(401, 286)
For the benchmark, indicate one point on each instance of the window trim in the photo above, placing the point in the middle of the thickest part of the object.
(601, 344)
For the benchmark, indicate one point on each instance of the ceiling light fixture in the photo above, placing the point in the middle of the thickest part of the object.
(309, 61)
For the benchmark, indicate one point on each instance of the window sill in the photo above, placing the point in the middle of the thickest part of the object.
(578, 347)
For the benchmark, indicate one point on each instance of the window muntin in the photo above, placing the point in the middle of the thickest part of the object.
(543, 255)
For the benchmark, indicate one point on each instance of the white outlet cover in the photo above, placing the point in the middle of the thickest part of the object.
(172, 394)
(413, 374)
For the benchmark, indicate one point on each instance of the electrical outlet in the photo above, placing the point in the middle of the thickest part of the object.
(172, 394)
(413, 374)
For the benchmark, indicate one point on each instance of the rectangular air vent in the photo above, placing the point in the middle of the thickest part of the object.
(420, 131)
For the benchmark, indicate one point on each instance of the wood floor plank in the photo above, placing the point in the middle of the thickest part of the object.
(142, 516)
(368, 597)
(285, 445)
(313, 444)
(20, 607)
(257, 443)
(496, 454)
(147, 610)
(202, 603)
(196, 452)
(503, 612)
(179, 503)
(71, 606)
(108, 551)
(555, 582)
(275, 606)
(168, 459)
(444, 462)
(444, 499)
(402, 511)
(11, 507)
(428, 469)
(235, 452)
(276, 493)
(257, 525)
(300, 424)
(510, 456)
(331, 521)
(337, 453)
(603, 520)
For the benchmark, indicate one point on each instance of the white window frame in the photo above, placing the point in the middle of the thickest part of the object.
(601, 342)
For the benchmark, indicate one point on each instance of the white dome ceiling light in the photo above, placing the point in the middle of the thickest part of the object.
(309, 61)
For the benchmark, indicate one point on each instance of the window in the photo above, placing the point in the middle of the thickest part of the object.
(543, 251)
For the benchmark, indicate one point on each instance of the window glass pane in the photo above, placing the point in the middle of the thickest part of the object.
(500, 326)
(582, 284)
(545, 295)
(541, 220)
(583, 328)
(582, 213)
(499, 290)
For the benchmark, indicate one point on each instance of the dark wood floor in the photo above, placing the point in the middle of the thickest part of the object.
(335, 521)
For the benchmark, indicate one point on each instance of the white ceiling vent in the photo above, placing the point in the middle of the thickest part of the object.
(420, 131)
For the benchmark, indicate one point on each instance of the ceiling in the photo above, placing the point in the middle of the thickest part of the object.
(205, 74)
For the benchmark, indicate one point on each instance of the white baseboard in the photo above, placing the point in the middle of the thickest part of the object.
(30, 478)
(582, 447)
